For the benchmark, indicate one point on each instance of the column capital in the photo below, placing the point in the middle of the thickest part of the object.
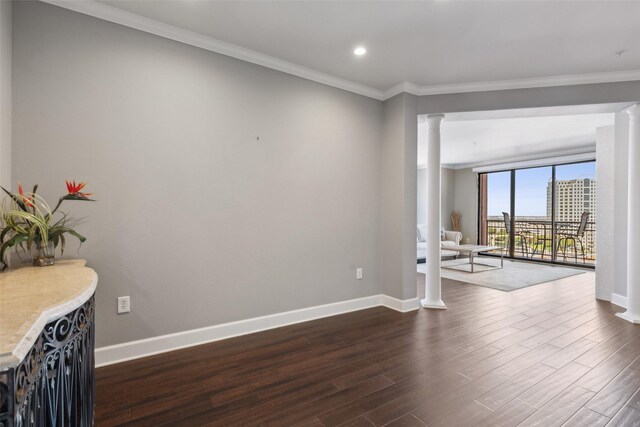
(435, 119)
(633, 111)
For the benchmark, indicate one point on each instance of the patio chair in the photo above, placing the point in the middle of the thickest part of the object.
(572, 239)
(524, 246)
(542, 239)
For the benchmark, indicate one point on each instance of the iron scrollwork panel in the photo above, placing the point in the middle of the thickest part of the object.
(55, 384)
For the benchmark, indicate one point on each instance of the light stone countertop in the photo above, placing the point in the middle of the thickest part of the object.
(31, 297)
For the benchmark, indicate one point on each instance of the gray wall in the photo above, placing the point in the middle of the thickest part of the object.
(5, 92)
(466, 201)
(421, 202)
(448, 191)
(399, 196)
(620, 200)
(197, 220)
(447, 185)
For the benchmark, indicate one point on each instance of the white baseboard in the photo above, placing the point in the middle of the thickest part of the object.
(161, 344)
(619, 300)
(400, 305)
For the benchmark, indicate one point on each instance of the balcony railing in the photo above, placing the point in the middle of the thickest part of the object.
(534, 240)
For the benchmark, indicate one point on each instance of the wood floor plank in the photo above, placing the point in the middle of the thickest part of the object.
(569, 354)
(397, 400)
(560, 409)
(543, 355)
(614, 395)
(548, 388)
(357, 422)
(408, 420)
(628, 416)
(597, 378)
(586, 417)
(446, 403)
(467, 415)
(312, 409)
(503, 394)
(624, 338)
(508, 415)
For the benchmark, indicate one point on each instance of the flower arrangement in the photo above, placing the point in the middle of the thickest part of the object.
(28, 221)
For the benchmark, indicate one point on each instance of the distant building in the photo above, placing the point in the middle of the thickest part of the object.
(573, 197)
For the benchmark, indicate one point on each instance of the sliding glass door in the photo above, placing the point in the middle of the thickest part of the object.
(542, 213)
(532, 221)
(497, 200)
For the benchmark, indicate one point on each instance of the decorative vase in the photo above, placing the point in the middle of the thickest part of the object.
(44, 255)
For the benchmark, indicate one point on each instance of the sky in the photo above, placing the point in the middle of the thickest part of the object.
(531, 188)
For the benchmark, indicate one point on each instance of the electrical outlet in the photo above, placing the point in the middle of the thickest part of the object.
(359, 273)
(124, 305)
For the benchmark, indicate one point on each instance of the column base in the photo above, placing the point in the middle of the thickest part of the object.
(629, 317)
(438, 305)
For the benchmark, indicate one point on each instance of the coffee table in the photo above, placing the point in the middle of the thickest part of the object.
(472, 251)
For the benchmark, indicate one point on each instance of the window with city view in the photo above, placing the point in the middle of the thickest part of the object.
(543, 213)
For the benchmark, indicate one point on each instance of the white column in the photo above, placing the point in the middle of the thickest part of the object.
(432, 286)
(633, 219)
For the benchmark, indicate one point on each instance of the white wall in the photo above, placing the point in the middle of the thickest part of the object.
(621, 167)
(5, 92)
(605, 213)
(225, 190)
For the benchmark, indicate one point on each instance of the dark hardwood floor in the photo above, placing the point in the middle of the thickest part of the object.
(547, 355)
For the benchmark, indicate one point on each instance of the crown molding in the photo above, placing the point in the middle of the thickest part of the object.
(407, 87)
(567, 80)
(152, 26)
(556, 157)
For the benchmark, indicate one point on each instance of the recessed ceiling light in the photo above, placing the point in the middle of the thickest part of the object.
(360, 51)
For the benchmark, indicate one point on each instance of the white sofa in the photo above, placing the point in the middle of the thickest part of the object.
(451, 238)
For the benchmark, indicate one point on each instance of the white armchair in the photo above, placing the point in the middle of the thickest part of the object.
(450, 238)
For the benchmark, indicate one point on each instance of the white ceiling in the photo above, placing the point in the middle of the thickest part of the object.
(427, 43)
(477, 142)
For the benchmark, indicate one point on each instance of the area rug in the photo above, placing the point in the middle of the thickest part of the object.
(514, 275)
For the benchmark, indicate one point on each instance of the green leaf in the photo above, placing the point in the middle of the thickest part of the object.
(77, 235)
(62, 242)
(15, 240)
(4, 233)
(16, 199)
(75, 196)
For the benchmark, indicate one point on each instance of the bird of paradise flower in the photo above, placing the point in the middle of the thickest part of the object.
(27, 220)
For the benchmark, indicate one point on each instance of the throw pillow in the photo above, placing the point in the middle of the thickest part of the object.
(421, 234)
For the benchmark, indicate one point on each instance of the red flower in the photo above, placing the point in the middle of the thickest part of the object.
(74, 189)
(26, 200)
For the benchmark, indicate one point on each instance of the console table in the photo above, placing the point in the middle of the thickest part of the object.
(46, 345)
